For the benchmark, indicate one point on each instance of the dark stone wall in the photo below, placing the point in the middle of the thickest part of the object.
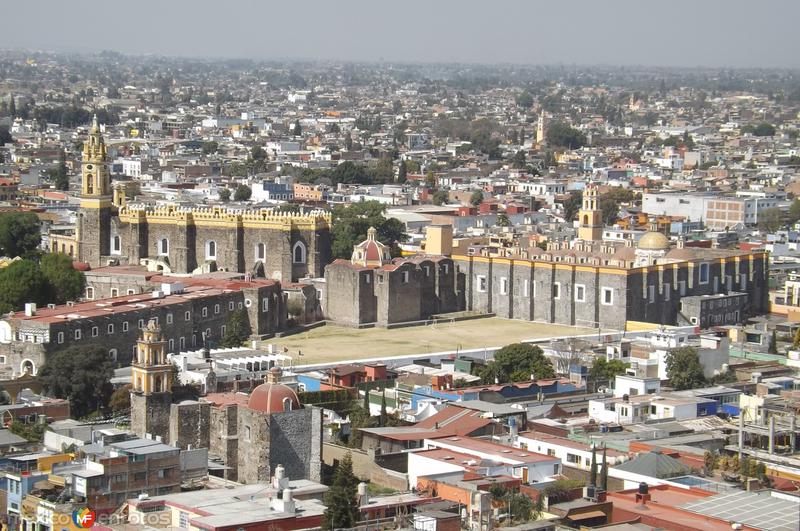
(189, 424)
(296, 442)
(150, 415)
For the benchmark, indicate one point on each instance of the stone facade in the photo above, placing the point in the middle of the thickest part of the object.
(204, 307)
(190, 424)
(609, 297)
(150, 415)
(404, 290)
(263, 243)
(170, 238)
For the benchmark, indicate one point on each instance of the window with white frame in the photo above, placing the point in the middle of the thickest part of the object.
(231, 306)
(503, 286)
(667, 290)
(95, 331)
(607, 296)
(116, 244)
(405, 277)
(480, 281)
(114, 292)
(125, 326)
(77, 334)
(90, 293)
(704, 273)
(580, 293)
(211, 250)
(261, 251)
(169, 318)
(265, 304)
(163, 247)
(187, 316)
(204, 311)
(526, 287)
(216, 308)
(299, 253)
(111, 328)
(60, 337)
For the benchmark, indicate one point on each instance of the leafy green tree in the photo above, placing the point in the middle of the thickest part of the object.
(604, 371)
(22, 281)
(31, 432)
(5, 135)
(351, 223)
(520, 159)
(258, 153)
(120, 400)
(440, 197)
(562, 135)
(794, 211)
(502, 220)
(209, 148)
(684, 369)
(59, 173)
(604, 472)
(476, 198)
(773, 343)
(341, 500)
(242, 193)
(572, 205)
(297, 130)
(516, 363)
(19, 234)
(764, 129)
(237, 330)
(525, 99)
(80, 374)
(402, 172)
(224, 194)
(770, 219)
(65, 283)
(384, 414)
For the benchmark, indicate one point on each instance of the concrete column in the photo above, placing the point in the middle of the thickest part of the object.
(772, 435)
(741, 433)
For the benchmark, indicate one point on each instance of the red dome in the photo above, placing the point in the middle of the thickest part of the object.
(371, 250)
(273, 398)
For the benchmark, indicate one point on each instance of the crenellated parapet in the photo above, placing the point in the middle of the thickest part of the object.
(222, 217)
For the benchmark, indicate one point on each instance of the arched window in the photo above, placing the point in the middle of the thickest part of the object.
(287, 404)
(116, 244)
(299, 253)
(27, 367)
(211, 250)
(112, 354)
(261, 251)
(163, 247)
(89, 183)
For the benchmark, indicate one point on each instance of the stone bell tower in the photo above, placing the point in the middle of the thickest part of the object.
(151, 391)
(94, 216)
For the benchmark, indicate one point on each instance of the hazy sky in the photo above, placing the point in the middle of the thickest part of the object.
(664, 32)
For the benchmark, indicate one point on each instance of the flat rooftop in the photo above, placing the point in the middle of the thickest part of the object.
(332, 343)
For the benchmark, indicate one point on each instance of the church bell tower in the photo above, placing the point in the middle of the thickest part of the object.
(590, 217)
(151, 385)
(94, 217)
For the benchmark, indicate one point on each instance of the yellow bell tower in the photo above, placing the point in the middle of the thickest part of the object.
(94, 216)
(150, 371)
(590, 217)
(95, 180)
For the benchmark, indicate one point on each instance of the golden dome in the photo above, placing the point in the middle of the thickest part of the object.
(653, 241)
